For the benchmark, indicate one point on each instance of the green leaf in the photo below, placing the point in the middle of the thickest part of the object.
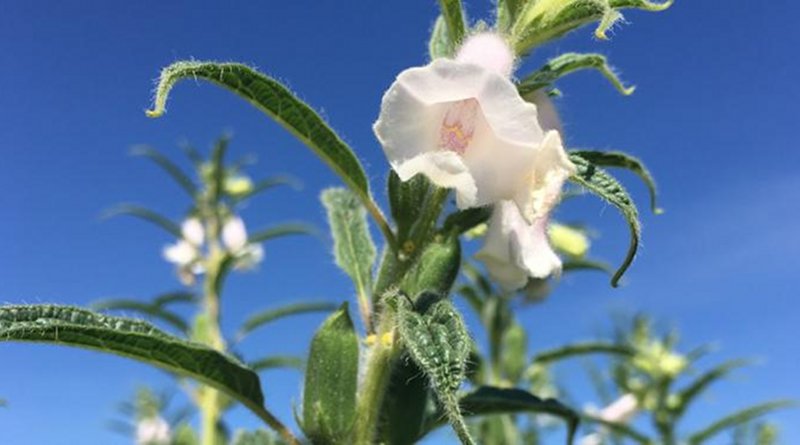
(436, 268)
(405, 404)
(277, 102)
(437, 340)
(277, 361)
(576, 264)
(688, 394)
(568, 63)
(620, 428)
(513, 352)
(453, 14)
(407, 201)
(145, 215)
(329, 395)
(507, 11)
(579, 349)
(281, 230)
(168, 166)
(153, 311)
(353, 248)
(738, 418)
(541, 21)
(134, 339)
(218, 169)
(259, 319)
(174, 297)
(464, 220)
(488, 400)
(269, 184)
(596, 180)
(626, 161)
(439, 44)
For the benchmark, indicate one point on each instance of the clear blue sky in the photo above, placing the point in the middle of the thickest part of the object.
(714, 116)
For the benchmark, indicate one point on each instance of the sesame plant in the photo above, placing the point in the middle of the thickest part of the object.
(469, 142)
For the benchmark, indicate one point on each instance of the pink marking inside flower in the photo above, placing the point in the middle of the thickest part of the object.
(458, 126)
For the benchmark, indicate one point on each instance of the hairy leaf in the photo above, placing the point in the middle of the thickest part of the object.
(353, 248)
(453, 14)
(599, 182)
(568, 63)
(149, 310)
(439, 43)
(407, 201)
(275, 100)
(626, 161)
(259, 319)
(488, 400)
(134, 339)
(329, 393)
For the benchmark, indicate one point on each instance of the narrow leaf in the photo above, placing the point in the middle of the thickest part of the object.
(568, 63)
(277, 361)
(407, 201)
(464, 220)
(596, 180)
(168, 166)
(688, 394)
(145, 215)
(626, 161)
(576, 264)
(148, 310)
(738, 418)
(488, 400)
(620, 428)
(277, 102)
(270, 183)
(329, 394)
(175, 297)
(281, 230)
(580, 349)
(262, 318)
(353, 248)
(453, 14)
(507, 11)
(439, 43)
(134, 339)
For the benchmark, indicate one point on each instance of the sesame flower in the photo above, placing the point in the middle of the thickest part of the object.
(153, 431)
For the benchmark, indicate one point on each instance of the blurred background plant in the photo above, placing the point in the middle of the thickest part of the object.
(211, 241)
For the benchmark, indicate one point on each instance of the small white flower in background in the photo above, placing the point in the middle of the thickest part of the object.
(153, 431)
(185, 253)
(463, 124)
(193, 232)
(621, 411)
(234, 234)
(234, 238)
(515, 250)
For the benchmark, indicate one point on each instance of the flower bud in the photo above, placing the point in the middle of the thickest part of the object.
(234, 234)
(193, 232)
(490, 51)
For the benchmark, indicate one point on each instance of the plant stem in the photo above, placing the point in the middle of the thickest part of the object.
(376, 382)
(210, 401)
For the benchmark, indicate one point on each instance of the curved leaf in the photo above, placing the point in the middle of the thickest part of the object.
(736, 419)
(149, 310)
(488, 400)
(576, 264)
(285, 229)
(269, 315)
(174, 297)
(277, 102)
(694, 389)
(168, 166)
(578, 349)
(605, 186)
(567, 63)
(626, 161)
(145, 215)
(277, 361)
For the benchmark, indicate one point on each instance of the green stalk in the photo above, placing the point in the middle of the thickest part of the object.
(376, 382)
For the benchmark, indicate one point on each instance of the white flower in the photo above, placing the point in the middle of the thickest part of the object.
(249, 257)
(621, 411)
(193, 232)
(234, 234)
(182, 253)
(516, 250)
(153, 431)
(463, 124)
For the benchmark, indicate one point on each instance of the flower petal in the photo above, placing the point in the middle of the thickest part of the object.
(551, 168)
(234, 234)
(192, 231)
(181, 253)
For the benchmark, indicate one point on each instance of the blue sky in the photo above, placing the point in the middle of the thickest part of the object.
(714, 116)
